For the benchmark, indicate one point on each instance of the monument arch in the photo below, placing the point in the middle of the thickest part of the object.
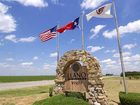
(79, 71)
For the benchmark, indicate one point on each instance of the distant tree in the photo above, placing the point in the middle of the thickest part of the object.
(131, 73)
(109, 74)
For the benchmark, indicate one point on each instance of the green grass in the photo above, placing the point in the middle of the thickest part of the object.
(61, 100)
(24, 78)
(25, 91)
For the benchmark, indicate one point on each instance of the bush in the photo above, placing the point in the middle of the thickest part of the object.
(129, 99)
(51, 91)
(61, 100)
(76, 94)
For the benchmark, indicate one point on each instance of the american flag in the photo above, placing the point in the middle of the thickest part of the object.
(49, 34)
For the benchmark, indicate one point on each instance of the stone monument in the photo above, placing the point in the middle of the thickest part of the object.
(79, 71)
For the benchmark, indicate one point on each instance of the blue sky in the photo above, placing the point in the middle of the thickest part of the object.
(21, 21)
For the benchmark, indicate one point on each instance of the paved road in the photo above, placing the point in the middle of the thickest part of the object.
(16, 85)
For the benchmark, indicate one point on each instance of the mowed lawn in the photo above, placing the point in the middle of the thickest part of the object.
(28, 96)
(25, 78)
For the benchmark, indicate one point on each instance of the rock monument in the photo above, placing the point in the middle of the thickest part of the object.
(79, 71)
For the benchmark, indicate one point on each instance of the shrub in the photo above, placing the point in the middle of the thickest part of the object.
(51, 91)
(61, 100)
(76, 94)
(129, 99)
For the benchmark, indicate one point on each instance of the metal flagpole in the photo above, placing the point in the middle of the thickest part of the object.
(119, 46)
(58, 46)
(82, 28)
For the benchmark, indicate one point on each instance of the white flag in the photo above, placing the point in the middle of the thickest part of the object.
(101, 12)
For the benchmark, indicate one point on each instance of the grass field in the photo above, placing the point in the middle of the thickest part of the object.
(113, 86)
(61, 100)
(28, 96)
(24, 78)
(25, 96)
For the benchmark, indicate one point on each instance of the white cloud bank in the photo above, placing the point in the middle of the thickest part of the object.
(34, 3)
(131, 63)
(27, 63)
(35, 58)
(132, 27)
(53, 54)
(9, 59)
(7, 22)
(91, 4)
(96, 30)
(94, 48)
(129, 46)
(14, 39)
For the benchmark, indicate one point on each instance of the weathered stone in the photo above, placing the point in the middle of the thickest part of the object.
(95, 90)
(90, 102)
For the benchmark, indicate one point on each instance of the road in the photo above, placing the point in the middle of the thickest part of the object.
(17, 85)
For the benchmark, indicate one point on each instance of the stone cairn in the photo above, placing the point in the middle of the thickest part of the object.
(95, 94)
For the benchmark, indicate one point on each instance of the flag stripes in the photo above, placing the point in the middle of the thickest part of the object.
(45, 37)
(49, 34)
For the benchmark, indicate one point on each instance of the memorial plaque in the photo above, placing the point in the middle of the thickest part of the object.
(76, 78)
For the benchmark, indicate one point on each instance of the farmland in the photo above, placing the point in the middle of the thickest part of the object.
(25, 78)
(27, 96)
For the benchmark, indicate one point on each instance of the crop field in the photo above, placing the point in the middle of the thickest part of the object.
(28, 96)
(25, 78)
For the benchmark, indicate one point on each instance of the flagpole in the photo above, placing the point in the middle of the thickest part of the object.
(82, 28)
(119, 46)
(58, 46)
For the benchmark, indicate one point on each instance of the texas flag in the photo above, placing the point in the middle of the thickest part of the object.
(70, 26)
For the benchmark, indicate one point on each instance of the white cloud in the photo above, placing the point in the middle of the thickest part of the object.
(131, 63)
(132, 58)
(91, 4)
(7, 22)
(49, 67)
(27, 63)
(35, 58)
(11, 38)
(96, 30)
(132, 27)
(28, 39)
(4, 65)
(124, 54)
(110, 51)
(94, 48)
(9, 59)
(14, 39)
(108, 61)
(129, 46)
(34, 3)
(72, 40)
(53, 54)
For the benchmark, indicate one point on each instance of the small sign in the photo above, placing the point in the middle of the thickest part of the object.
(76, 78)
